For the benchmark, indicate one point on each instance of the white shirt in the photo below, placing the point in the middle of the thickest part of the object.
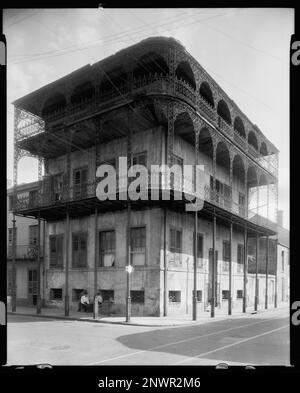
(84, 299)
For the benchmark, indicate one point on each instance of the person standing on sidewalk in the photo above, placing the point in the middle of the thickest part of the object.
(98, 301)
(84, 301)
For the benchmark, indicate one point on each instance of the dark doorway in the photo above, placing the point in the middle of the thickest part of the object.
(209, 294)
(32, 286)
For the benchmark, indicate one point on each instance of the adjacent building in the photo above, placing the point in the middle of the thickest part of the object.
(154, 104)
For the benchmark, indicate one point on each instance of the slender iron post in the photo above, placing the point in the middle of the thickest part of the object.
(38, 295)
(245, 272)
(230, 271)
(196, 234)
(276, 278)
(165, 265)
(267, 271)
(67, 265)
(95, 308)
(256, 273)
(213, 286)
(195, 268)
(14, 273)
(43, 264)
(128, 297)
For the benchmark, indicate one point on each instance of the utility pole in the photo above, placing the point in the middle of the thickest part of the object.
(14, 278)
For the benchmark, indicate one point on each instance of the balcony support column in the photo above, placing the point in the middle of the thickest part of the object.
(256, 273)
(67, 232)
(245, 271)
(196, 234)
(170, 133)
(43, 265)
(95, 308)
(214, 166)
(38, 297)
(276, 278)
(267, 271)
(213, 284)
(14, 272)
(246, 213)
(230, 269)
(128, 231)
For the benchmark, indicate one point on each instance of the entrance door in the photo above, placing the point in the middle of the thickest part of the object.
(210, 259)
(32, 286)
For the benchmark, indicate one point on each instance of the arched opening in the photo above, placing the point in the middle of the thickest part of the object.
(82, 92)
(150, 64)
(206, 93)
(205, 155)
(184, 72)
(263, 149)
(184, 127)
(54, 104)
(252, 189)
(252, 140)
(222, 183)
(238, 185)
(238, 126)
(224, 112)
(113, 80)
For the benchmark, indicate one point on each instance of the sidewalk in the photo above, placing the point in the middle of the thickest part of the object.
(172, 320)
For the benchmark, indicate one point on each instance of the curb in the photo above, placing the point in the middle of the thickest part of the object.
(190, 323)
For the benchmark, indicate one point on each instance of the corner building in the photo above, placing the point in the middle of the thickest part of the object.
(153, 103)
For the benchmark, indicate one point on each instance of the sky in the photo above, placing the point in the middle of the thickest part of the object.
(245, 50)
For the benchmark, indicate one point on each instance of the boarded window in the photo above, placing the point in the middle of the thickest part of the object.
(56, 294)
(108, 295)
(174, 296)
(56, 250)
(137, 297)
(107, 244)
(239, 294)
(225, 294)
(79, 248)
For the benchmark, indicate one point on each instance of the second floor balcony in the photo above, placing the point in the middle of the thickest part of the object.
(155, 188)
(24, 251)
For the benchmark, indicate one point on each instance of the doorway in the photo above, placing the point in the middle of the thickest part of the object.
(32, 286)
(209, 286)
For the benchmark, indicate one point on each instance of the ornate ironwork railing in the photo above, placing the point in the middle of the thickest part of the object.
(240, 140)
(24, 251)
(224, 127)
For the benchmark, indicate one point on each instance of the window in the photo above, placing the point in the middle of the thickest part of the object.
(137, 297)
(240, 258)
(79, 249)
(57, 184)
(282, 260)
(225, 294)
(56, 250)
(138, 245)
(175, 245)
(114, 165)
(227, 196)
(107, 244)
(33, 198)
(56, 294)
(140, 159)
(108, 295)
(241, 204)
(226, 255)
(80, 182)
(33, 235)
(174, 296)
(239, 294)
(10, 203)
(282, 289)
(199, 249)
(176, 179)
(76, 294)
(199, 296)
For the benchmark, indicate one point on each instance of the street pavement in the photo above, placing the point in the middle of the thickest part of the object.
(258, 339)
